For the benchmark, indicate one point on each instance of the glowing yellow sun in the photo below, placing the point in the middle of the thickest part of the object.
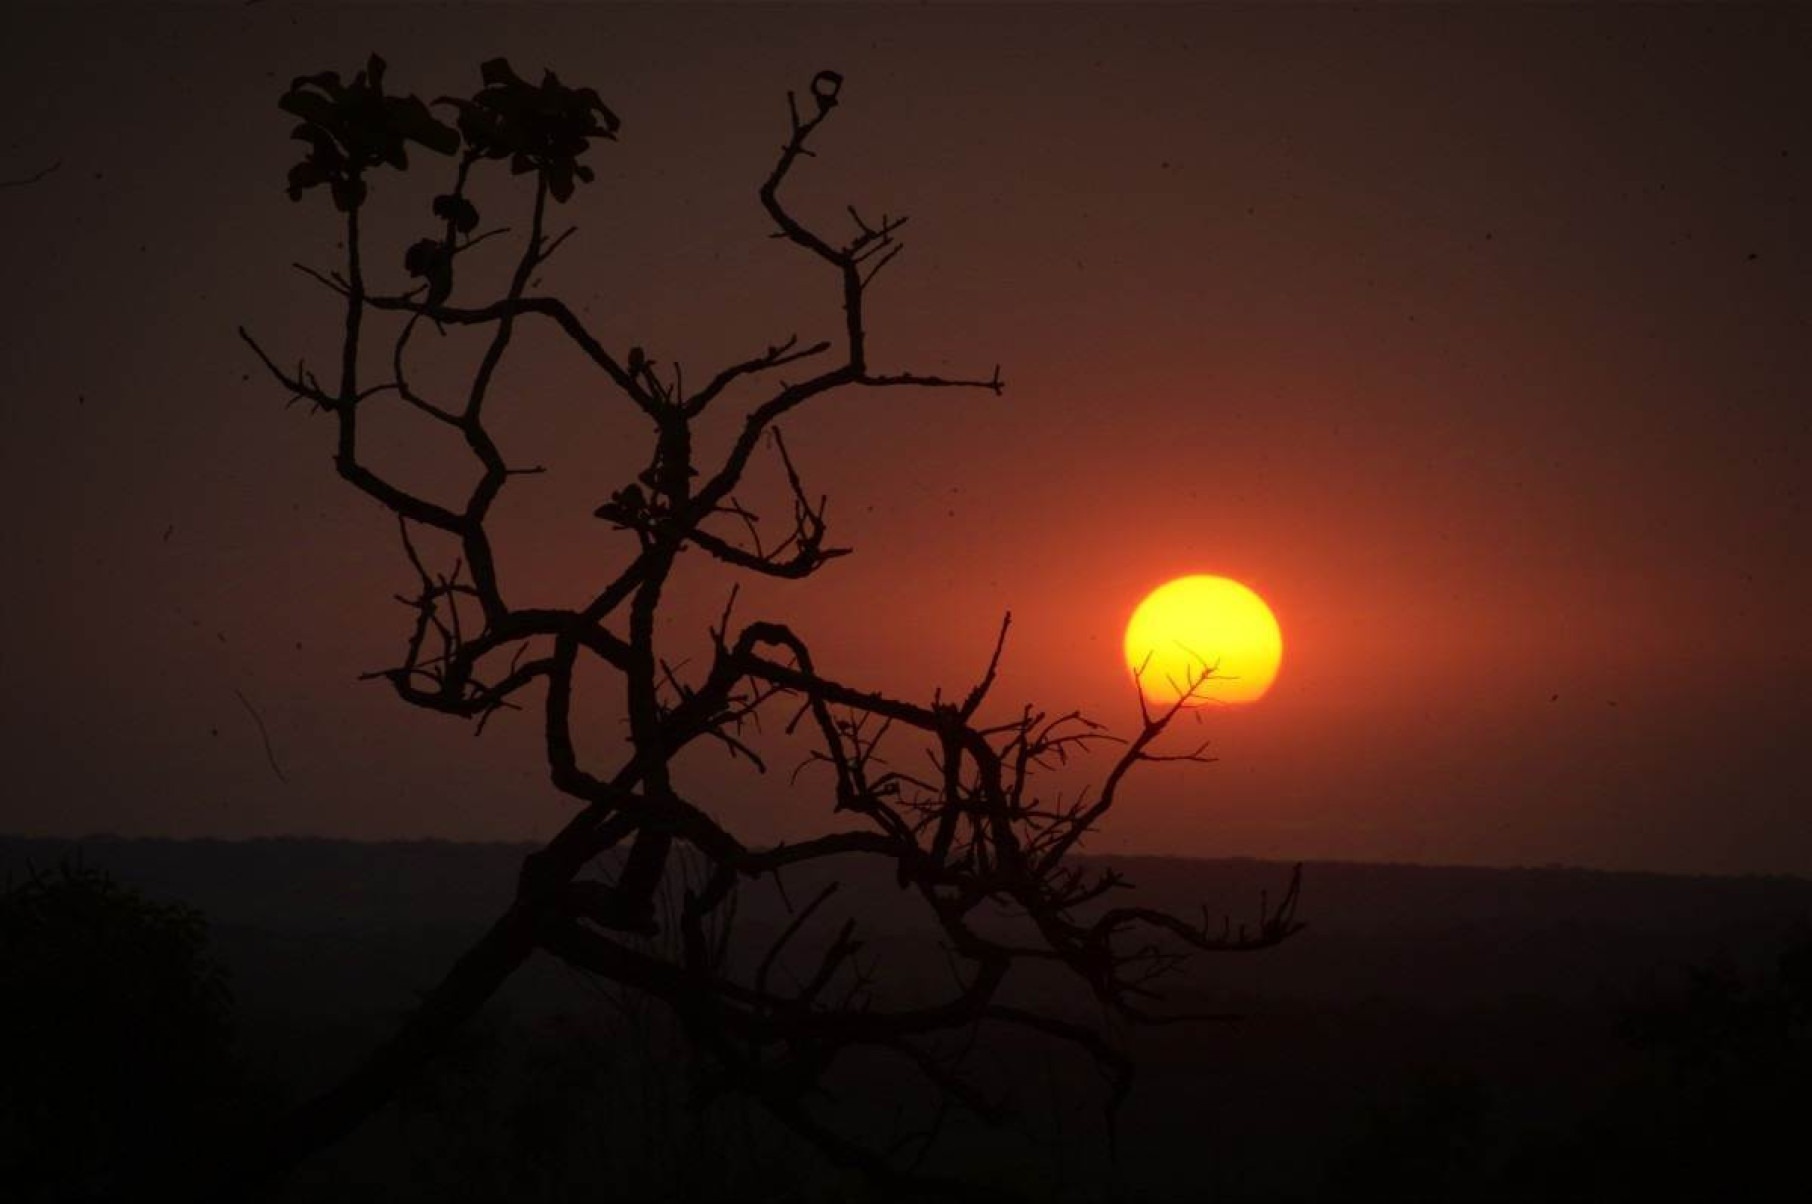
(1203, 625)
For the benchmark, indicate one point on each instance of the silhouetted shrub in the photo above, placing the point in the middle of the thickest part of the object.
(1717, 1107)
(114, 1036)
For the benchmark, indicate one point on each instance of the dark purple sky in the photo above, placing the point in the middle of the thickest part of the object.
(1478, 340)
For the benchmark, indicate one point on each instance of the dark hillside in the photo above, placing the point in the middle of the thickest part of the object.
(1470, 1033)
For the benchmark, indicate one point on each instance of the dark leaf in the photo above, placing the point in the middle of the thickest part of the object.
(411, 118)
(593, 102)
(496, 73)
(311, 107)
(423, 256)
(327, 81)
(324, 152)
(302, 177)
(560, 179)
(458, 210)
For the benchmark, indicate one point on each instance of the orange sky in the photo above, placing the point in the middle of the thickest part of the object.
(1475, 340)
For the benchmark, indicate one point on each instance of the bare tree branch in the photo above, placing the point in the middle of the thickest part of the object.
(974, 840)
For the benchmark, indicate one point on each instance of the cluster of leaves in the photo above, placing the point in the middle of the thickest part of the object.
(541, 128)
(353, 128)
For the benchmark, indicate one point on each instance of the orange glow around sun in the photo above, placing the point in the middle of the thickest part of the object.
(1203, 625)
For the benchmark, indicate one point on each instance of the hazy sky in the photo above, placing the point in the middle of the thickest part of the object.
(1476, 339)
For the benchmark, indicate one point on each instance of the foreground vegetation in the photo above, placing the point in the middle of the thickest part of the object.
(1533, 1035)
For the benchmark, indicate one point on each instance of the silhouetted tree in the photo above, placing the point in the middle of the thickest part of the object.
(983, 850)
(115, 1037)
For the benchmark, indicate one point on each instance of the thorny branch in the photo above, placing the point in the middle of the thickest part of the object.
(974, 837)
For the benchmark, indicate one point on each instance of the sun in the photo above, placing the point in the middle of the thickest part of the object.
(1202, 624)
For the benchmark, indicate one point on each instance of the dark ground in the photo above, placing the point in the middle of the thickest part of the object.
(1436, 1033)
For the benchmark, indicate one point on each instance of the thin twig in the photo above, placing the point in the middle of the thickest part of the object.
(40, 174)
(270, 754)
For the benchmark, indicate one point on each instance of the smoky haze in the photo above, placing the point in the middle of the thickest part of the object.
(1474, 340)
